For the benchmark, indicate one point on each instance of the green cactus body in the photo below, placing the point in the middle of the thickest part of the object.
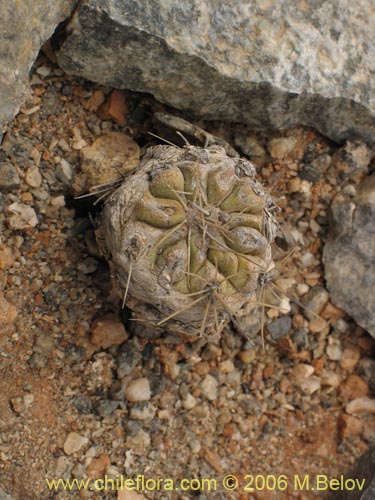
(188, 235)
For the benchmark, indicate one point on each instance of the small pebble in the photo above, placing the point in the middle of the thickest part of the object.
(209, 387)
(43, 71)
(6, 257)
(302, 371)
(138, 390)
(294, 185)
(226, 366)
(308, 259)
(247, 356)
(349, 426)
(189, 401)
(106, 407)
(127, 359)
(21, 216)
(108, 330)
(143, 411)
(58, 201)
(281, 147)
(9, 177)
(64, 172)
(33, 177)
(314, 301)
(280, 327)
(360, 405)
(351, 159)
(353, 387)
(98, 467)
(330, 378)
(311, 384)
(318, 325)
(302, 288)
(74, 442)
(350, 358)
(333, 350)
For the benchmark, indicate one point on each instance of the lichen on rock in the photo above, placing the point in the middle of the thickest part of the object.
(188, 236)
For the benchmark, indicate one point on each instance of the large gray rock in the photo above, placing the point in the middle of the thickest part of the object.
(25, 26)
(266, 63)
(349, 255)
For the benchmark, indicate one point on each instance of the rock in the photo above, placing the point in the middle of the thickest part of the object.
(349, 255)
(142, 411)
(189, 401)
(74, 442)
(25, 27)
(314, 301)
(354, 157)
(318, 325)
(307, 260)
(18, 405)
(353, 387)
(209, 387)
(350, 358)
(109, 156)
(114, 108)
(58, 201)
(21, 216)
(333, 350)
(268, 64)
(360, 405)
(330, 378)
(106, 407)
(280, 327)
(64, 172)
(281, 147)
(33, 177)
(6, 257)
(314, 171)
(311, 384)
(108, 330)
(247, 356)
(301, 372)
(94, 102)
(138, 390)
(9, 177)
(98, 467)
(127, 359)
(226, 366)
(348, 426)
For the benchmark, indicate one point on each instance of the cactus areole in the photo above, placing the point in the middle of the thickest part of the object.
(188, 238)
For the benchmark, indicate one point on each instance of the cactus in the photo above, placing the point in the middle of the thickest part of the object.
(188, 237)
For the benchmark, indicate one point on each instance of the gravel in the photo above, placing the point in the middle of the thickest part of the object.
(151, 402)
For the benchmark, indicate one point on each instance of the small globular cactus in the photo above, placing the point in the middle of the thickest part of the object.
(188, 237)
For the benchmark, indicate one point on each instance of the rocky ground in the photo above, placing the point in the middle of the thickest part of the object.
(82, 396)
